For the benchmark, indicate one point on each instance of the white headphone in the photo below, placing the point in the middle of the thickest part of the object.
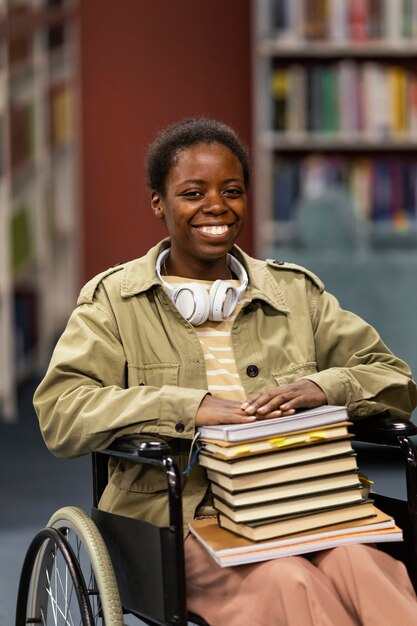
(196, 304)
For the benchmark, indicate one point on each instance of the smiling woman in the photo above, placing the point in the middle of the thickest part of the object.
(197, 332)
(203, 203)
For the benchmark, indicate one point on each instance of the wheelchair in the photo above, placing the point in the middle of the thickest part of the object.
(95, 570)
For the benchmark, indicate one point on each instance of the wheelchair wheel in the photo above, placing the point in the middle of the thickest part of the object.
(69, 579)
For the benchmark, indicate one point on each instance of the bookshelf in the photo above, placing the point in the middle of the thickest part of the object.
(335, 104)
(38, 184)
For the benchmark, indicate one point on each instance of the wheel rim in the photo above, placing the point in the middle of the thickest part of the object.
(55, 600)
(72, 578)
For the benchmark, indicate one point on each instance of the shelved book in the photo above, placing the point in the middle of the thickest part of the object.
(229, 549)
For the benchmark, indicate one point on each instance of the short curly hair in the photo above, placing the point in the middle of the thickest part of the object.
(163, 152)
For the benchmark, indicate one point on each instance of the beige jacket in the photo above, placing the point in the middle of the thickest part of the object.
(128, 363)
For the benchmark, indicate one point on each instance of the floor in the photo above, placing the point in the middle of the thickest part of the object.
(33, 485)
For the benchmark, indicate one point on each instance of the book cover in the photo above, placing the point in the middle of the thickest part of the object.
(330, 102)
(337, 24)
(349, 96)
(358, 20)
(279, 88)
(21, 134)
(314, 98)
(21, 237)
(297, 114)
(310, 418)
(280, 458)
(228, 549)
(280, 527)
(285, 188)
(286, 490)
(317, 467)
(281, 508)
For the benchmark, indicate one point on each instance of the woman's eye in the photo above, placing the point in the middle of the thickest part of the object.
(192, 194)
(233, 192)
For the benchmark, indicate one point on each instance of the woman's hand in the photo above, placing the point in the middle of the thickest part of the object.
(214, 410)
(276, 402)
(285, 399)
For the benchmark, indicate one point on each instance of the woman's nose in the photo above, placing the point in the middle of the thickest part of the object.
(215, 204)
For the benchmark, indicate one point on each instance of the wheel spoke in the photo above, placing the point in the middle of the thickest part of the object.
(67, 569)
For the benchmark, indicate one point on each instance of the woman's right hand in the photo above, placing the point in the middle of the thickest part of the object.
(214, 410)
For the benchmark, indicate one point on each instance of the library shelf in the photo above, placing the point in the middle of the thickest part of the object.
(335, 105)
(39, 184)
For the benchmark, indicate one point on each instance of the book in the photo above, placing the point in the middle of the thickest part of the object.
(310, 418)
(229, 549)
(285, 189)
(285, 475)
(279, 88)
(290, 506)
(286, 490)
(271, 460)
(279, 527)
(21, 236)
(229, 450)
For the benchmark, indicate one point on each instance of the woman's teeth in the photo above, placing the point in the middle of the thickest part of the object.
(213, 230)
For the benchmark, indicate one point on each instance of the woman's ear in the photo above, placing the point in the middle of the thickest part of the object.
(157, 205)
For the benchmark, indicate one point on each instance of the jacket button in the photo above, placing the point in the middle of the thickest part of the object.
(179, 428)
(252, 371)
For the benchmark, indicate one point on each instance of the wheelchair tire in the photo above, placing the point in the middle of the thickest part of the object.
(53, 597)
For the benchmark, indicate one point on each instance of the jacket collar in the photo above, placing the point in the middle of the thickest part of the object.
(139, 276)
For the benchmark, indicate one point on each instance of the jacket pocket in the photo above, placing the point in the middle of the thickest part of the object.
(138, 478)
(154, 375)
(294, 372)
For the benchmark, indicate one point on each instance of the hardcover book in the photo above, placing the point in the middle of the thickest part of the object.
(229, 450)
(302, 420)
(282, 458)
(229, 549)
(313, 468)
(286, 490)
(280, 508)
(280, 527)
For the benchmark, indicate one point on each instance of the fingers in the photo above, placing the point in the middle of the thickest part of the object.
(276, 402)
(266, 402)
(284, 400)
(214, 410)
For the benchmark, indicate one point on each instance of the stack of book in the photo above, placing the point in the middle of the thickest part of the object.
(291, 480)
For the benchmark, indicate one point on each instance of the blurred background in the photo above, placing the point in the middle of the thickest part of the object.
(324, 93)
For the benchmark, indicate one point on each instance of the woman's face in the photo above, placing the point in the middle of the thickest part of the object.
(204, 208)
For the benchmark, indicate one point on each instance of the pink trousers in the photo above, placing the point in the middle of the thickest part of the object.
(347, 586)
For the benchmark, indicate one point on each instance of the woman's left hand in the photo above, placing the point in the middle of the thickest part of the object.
(285, 399)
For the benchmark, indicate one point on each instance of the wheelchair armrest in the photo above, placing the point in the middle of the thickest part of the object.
(147, 449)
(383, 429)
(140, 446)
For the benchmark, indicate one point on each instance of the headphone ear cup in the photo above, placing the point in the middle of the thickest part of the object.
(192, 301)
(223, 299)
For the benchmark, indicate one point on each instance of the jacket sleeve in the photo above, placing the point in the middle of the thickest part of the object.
(355, 367)
(82, 402)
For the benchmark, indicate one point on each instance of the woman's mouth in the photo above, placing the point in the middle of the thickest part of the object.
(213, 230)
